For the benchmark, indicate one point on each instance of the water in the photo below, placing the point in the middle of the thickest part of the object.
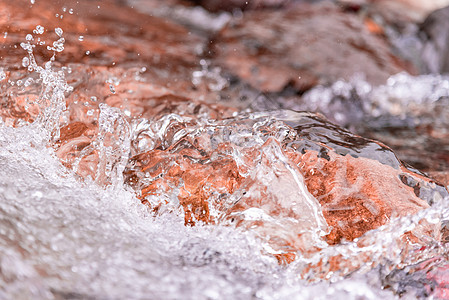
(108, 193)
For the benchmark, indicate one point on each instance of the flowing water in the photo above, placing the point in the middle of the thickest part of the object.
(107, 193)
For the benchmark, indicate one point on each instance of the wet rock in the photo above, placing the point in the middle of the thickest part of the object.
(140, 38)
(434, 32)
(405, 10)
(295, 180)
(340, 185)
(409, 114)
(217, 5)
(304, 46)
(426, 279)
(195, 18)
(442, 177)
(167, 51)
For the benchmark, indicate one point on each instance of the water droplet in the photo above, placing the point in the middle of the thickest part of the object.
(29, 81)
(58, 31)
(32, 1)
(71, 11)
(81, 38)
(87, 52)
(2, 74)
(25, 62)
(39, 29)
(37, 194)
(6, 34)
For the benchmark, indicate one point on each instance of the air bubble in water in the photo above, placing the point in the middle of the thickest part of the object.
(5, 35)
(81, 38)
(71, 11)
(29, 37)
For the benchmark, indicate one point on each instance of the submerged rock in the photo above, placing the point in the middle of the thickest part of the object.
(234, 171)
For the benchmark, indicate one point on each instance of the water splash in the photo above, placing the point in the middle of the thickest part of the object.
(190, 165)
(404, 99)
(54, 86)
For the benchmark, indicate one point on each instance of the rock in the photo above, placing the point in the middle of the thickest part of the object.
(442, 177)
(411, 10)
(167, 51)
(435, 34)
(302, 47)
(217, 5)
(340, 186)
(428, 279)
(154, 40)
(294, 179)
(409, 114)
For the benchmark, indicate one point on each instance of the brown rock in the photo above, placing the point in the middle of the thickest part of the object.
(167, 51)
(321, 181)
(230, 5)
(306, 45)
(353, 193)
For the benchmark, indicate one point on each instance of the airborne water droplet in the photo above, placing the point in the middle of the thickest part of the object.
(39, 29)
(58, 31)
(25, 62)
(2, 74)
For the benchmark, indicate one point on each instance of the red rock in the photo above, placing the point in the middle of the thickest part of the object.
(354, 193)
(168, 51)
(303, 46)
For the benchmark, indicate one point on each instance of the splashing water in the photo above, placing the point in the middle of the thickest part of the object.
(278, 199)
(54, 86)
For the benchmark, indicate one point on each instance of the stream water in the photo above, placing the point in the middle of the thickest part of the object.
(107, 194)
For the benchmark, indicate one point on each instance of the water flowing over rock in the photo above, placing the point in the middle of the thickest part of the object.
(124, 177)
(408, 113)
